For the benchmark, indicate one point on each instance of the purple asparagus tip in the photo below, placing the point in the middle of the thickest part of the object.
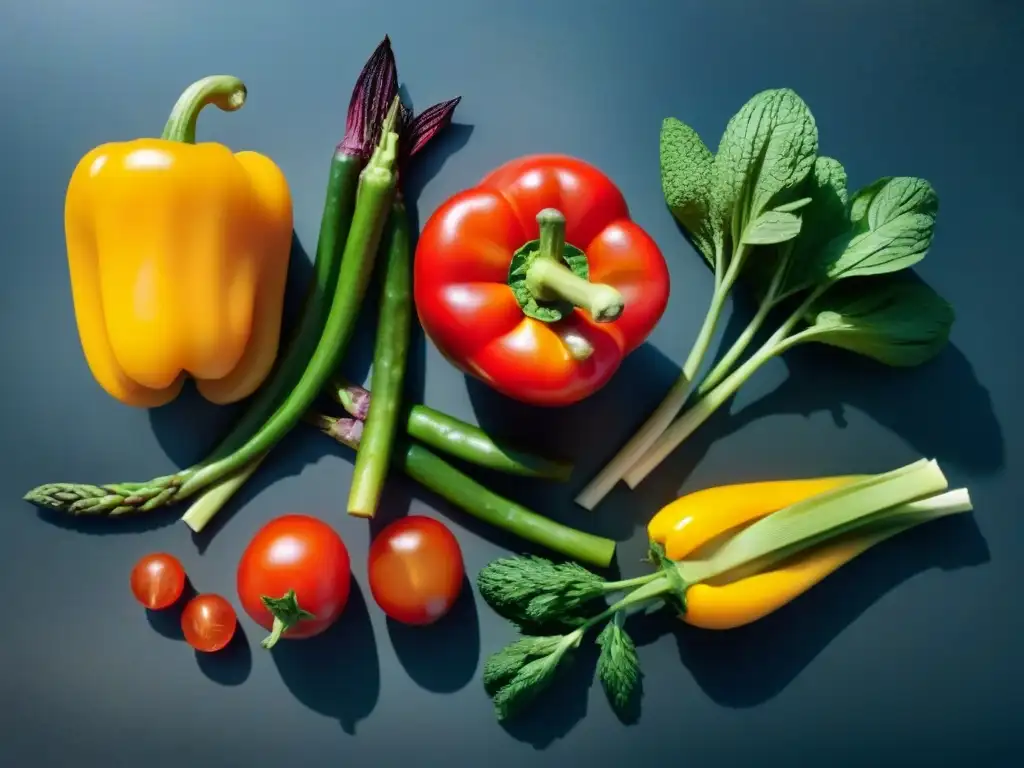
(418, 131)
(357, 402)
(347, 431)
(374, 91)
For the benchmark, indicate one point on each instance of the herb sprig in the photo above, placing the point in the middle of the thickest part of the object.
(533, 592)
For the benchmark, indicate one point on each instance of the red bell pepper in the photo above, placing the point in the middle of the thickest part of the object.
(537, 282)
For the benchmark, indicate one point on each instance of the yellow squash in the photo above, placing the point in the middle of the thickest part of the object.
(178, 254)
(745, 600)
(691, 521)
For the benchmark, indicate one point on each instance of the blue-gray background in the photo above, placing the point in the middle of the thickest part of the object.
(909, 656)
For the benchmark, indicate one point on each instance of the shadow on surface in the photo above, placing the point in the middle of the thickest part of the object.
(232, 664)
(336, 673)
(562, 705)
(746, 666)
(101, 526)
(910, 402)
(588, 433)
(441, 657)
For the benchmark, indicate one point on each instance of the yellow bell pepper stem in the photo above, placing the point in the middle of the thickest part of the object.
(225, 91)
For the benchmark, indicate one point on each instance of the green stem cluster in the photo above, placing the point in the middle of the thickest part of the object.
(725, 380)
(666, 412)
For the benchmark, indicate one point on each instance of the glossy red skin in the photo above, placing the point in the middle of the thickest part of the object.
(296, 552)
(208, 622)
(469, 312)
(416, 570)
(158, 580)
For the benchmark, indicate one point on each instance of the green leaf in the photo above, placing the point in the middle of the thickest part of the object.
(862, 199)
(796, 205)
(526, 684)
(618, 669)
(826, 216)
(897, 321)
(772, 227)
(766, 152)
(534, 591)
(893, 230)
(822, 218)
(686, 181)
(503, 665)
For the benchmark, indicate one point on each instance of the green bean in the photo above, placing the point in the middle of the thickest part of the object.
(436, 474)
(455, 437)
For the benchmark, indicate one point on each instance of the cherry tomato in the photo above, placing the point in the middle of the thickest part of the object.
(158, 580)
(416, 570)
(294, 577)
(208, 622)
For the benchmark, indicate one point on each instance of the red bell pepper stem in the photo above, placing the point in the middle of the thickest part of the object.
(549, 279)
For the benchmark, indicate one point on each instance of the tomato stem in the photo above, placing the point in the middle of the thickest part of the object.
(286, 613)
(549, 279)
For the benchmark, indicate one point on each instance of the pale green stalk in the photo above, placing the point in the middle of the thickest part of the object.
(819, 518)
(210, 501)
(673, 403)
(728, 361)
(782, 340)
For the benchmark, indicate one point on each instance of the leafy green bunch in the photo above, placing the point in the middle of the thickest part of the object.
(553, 606)
(768, 208)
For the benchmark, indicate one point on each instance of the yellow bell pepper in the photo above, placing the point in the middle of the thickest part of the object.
(178, 255)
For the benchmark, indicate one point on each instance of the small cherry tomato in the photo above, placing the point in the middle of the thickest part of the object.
(416, 570)
(294, 577)
(208, 622)
(158, 580)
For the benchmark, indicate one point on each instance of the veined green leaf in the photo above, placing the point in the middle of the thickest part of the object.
(894, 320)
(766, 152)
(686, 181)
(862, 199)
(893, 230)
(796, 205)
(772, 227)
(821, 219)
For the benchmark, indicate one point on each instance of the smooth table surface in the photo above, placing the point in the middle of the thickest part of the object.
(908, 656)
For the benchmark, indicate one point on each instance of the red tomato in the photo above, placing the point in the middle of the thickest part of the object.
(416, 570)
(208, 622)
(158, 580)
(294, 577)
